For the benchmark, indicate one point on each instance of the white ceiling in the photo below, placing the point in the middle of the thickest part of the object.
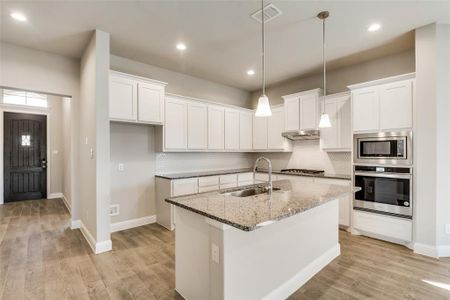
(223, 41)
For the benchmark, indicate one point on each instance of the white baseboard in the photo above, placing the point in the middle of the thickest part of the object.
(293, 284)
(67, 204)
(444, 251)
(55, 195)
(97, 247)
(75, 224)
(426, 250)
(119, 226)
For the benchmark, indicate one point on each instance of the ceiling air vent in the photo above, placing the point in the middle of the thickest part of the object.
(270, 13)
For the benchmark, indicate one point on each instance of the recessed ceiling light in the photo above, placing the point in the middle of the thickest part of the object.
(250, 72)
(18, 16)
(181, 46)
(374, 27)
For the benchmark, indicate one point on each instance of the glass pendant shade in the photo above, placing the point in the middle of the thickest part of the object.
(263, 108)
(324, 121)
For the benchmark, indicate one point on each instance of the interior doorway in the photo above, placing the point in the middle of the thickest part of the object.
(25, 156)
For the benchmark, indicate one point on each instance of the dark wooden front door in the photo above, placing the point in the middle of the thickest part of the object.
(25, 156)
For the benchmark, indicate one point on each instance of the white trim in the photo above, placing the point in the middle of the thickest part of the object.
(426, 250)
(67, 204)
(406, 76)
(26, 110)
(188, 98)
(298, 94)
(97, 247)
(443, 251)
(75, 224)
(119, 226)
(55, 195)
(127, 75)
(299, 279)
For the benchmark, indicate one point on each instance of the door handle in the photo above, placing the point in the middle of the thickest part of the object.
(44, 164)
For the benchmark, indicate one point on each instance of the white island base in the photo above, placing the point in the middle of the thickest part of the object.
(218, 261)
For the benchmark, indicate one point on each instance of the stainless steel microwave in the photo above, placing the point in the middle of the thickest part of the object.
(384, 148)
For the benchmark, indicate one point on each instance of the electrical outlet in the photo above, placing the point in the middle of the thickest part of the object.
(121, 167)
(215, 253)
(447, 228)
(114, 210)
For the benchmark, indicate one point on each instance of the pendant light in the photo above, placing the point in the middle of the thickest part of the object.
(263, 108)
(324, 118)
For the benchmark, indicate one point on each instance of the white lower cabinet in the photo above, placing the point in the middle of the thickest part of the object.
(170, 188)
(245, 179)
(345, 203)
(390, 228)
(228, 181)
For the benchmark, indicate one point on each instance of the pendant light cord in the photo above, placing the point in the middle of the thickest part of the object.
(263, 50)
(324, 59)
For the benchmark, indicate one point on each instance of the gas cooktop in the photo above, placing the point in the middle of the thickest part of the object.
(303, 171)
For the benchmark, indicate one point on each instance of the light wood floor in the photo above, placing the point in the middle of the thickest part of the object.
(41, 258)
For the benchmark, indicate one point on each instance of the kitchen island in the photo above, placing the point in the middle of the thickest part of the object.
(231, 244)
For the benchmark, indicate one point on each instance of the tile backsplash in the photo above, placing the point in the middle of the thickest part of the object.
(307, 155)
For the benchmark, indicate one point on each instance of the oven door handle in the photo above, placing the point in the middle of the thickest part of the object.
(384, 175)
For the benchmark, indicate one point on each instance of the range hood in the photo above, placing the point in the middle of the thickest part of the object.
(298, 135)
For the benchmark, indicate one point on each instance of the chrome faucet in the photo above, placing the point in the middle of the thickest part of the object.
(270, 185)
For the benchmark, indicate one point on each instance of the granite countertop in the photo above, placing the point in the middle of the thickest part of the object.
(174, 176)
(252, 212)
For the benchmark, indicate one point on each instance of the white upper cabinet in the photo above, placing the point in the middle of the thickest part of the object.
(136, 99)
(175, 129)
(383, 105)
(301, 110)
(150, 102)
(396, 105)
(245, 130)
(275, 126)
(309, 111)
(122, 98)
(292, 112)
(231, 129)
(365, 109)
(260, 133)
(338, 136)
(197, 126)
(216, 127)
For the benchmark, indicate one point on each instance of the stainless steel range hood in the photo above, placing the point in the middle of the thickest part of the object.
(299, 135)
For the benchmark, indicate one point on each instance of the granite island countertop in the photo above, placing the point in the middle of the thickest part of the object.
(174, 176)
(252, 212)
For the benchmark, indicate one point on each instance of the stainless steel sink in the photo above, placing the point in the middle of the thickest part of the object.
(250, 192)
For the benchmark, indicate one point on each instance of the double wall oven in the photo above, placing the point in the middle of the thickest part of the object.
(383, 171)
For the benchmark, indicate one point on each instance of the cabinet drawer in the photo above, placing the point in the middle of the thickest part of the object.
(210, 188)
(226, 179)
(208, 181)
(386, 226)
(184, 186)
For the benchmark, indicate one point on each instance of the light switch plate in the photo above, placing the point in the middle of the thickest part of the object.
(447, 228)
(215, 253)
(121, 167)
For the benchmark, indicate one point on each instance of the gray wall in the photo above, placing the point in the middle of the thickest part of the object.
(339, 79)
(56, 145)
(183, 84)
(431, 140)
(29, 69)
(134, 145)
(94, 137)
